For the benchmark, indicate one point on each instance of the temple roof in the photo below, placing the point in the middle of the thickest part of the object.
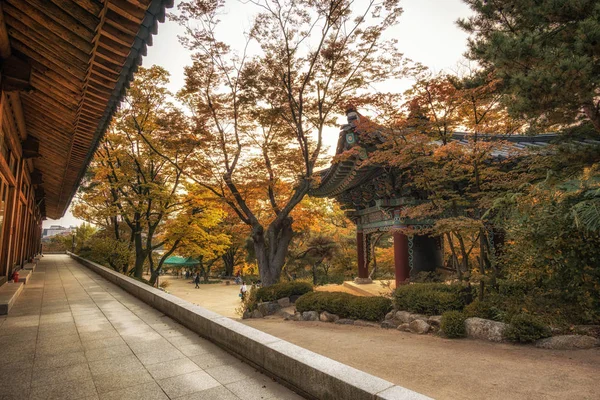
(348, 174)
(82, 55)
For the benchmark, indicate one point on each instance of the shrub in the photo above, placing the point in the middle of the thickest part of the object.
(432, 298)
(281, 290)
(332, 279)
(483, 309)
(164, 284)
(453, 324)
(525, 328)
(427, 276)
(345, 305)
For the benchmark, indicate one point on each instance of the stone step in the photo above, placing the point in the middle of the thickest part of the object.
(9, 293)
(30, 266)
(25, 275)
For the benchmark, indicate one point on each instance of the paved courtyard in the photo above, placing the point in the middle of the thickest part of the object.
(74, 335)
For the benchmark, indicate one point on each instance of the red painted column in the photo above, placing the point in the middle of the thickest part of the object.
(363, 272)
(402, 268)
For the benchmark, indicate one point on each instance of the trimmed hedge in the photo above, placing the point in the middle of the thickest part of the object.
(525, 328)
(345, 305)
(432, 298)
(281, 290)
(483, 309)
(453, 324)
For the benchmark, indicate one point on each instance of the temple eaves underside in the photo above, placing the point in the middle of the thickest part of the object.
(66, 65)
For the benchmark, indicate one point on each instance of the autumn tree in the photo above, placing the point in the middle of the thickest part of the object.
(129, 183)
(196, 230)
(544, 52)
(260, 118)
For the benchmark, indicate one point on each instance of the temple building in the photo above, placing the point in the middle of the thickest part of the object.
(374, 196)
(64, 67)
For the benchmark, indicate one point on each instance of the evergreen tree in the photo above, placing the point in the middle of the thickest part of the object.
(546, 53)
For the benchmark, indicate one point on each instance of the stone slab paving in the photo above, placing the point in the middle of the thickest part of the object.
(74, 335)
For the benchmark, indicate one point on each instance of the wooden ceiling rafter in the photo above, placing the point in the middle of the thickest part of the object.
(52, 11)
(27, 13)
(40, 36)
(82, 54)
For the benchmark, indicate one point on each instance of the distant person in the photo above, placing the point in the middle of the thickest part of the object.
(243, 291)
(197, 280)
(187, 274)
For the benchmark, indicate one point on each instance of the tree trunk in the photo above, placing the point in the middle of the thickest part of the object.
(315, 269)
(140, 256)
(229, 260)
(271, 248)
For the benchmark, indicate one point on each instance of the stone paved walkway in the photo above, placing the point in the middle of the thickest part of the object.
(74, 335)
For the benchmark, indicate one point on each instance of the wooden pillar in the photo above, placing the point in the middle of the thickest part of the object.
(363, 272)
(401, 264)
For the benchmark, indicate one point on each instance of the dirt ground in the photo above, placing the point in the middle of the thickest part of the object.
(217, 297)
(448, 369)
(440, 368)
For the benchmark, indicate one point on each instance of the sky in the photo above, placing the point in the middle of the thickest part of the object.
(427, 33)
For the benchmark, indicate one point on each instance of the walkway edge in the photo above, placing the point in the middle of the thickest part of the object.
(308, 373)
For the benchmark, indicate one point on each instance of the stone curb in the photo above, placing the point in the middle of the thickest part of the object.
(311, 375)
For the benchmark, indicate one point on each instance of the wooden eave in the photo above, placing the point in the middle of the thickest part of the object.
(83, 54)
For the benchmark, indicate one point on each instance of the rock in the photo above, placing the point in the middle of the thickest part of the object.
(568, 342)
(479, 328)
(328, 317)
(404, 327)
(345, 321)
(284, 302)
(414, 317)
(360, 322)
(310, 316)
(256, 314)
(419, 326)
(403, 316)
(293, 298)
(390, 324)
(390, 315)
(268, 307)
(297, 316)
(435, 320)
(247, 314)
(286, 315)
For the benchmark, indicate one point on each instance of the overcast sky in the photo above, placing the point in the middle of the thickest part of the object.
(427, 33)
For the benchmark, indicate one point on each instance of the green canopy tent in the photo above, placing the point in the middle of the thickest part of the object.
(180, 262)
(176, 261)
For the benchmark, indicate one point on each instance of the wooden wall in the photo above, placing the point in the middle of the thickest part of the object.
(21, 219)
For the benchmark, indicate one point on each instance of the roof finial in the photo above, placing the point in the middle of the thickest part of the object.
(352, 115)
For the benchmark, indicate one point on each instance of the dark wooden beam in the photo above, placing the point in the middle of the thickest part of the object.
(30, 147)
(16, 74)
(4, 42)
(36, 177)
